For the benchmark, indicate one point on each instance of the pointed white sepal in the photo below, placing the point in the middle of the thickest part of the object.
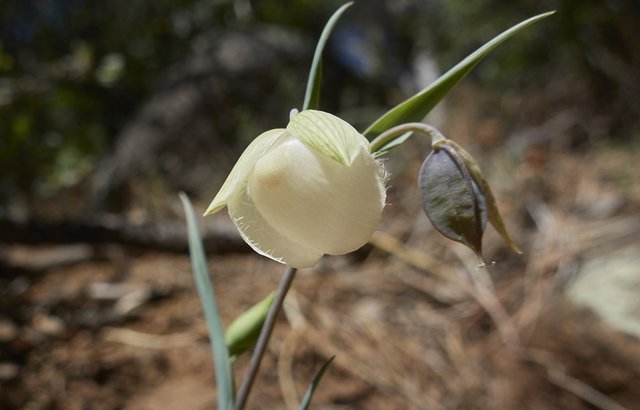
(241, 170)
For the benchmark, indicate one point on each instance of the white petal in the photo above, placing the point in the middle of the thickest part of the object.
(327, 134)
(264, 239)
(241, 170)
(316, 201)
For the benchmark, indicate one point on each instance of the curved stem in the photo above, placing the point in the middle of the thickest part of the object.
(398, 131)
(263, 339)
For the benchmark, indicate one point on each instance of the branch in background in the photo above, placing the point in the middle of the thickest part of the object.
(162, 235)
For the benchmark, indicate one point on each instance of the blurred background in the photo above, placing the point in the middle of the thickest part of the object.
(108, 109)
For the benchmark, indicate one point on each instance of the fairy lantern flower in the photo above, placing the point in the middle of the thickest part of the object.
(300, 192)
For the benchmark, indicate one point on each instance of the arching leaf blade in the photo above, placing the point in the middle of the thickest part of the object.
(312, 94)
(306, 400)
(418, 106)
(222, 366)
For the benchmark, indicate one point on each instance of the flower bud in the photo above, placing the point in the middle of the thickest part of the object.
(311, 189)
(457, 198)
(452, 200)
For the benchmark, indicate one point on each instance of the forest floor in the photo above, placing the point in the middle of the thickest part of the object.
(413, 319)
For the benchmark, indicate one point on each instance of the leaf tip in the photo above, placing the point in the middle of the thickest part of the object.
(183, 197)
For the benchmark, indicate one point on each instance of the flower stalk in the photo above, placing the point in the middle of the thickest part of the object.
(263, 339)
(398, 134)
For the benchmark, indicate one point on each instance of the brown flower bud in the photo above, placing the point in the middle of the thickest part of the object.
(456, 197)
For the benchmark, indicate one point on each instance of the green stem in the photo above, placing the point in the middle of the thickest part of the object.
(400, 130)
(263, 339)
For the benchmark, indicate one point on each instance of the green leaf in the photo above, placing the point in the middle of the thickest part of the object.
(224, 376)
(312, 94)
(242, 334)
(418, 106)
(314, 100)
(452, 200)
(306, 400)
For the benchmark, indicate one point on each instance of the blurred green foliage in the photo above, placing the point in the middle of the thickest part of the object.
(586, 57)
(73, 72)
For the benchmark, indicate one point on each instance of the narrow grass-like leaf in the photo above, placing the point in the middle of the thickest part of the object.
(242, 334)
(306, 400)
(314, 100)
(224, 376)
(418, 106)
(312, 94)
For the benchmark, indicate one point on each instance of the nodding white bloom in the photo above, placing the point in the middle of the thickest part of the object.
(300, 192)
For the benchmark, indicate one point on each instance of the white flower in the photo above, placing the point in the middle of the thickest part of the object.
(311, 189)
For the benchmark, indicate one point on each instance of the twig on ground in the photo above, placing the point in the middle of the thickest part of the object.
(150, 341)
(558, 376)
